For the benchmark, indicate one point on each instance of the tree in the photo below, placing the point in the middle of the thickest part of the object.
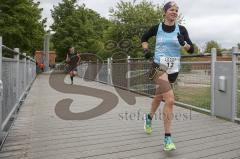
(238, 45)
(21, 25)
(77, 26)
(212, 44)
(196, 50)
(135, 19)
(130, 21)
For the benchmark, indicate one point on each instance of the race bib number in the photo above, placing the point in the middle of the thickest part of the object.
(173, 64)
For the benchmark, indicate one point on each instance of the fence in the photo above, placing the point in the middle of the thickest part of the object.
(199, 84)
(17, 73)
(238, 90)
(192, 88)
(236, 83)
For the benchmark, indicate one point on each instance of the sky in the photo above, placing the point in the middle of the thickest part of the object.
(205, 20)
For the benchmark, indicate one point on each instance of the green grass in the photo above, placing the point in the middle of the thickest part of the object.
(196, 96)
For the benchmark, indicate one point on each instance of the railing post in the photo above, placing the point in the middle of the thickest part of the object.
(0, 58)
(213, 60)
(234, 83)
(16, 86)
(33, 70)
(31, 74)
(28, 66)
(128, 73)
(24, 82)
(46, 52)
(109, 71)
(97, 67)
(1, 91)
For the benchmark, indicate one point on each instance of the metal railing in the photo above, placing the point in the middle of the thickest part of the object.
(238, 90)
(236, 83)
(199, 84)
(17, 73)
(192, 88)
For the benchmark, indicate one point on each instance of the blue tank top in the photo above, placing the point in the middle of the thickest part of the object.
(167, 49)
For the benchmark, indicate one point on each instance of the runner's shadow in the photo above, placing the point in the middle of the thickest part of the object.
(170, 154)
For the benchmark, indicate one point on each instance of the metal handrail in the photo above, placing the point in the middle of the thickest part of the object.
(17, 53)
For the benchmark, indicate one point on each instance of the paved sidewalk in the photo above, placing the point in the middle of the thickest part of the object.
(39, 133)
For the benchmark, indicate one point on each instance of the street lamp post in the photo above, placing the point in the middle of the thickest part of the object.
(46, 52)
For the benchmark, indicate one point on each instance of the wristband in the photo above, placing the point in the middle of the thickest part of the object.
(185, 45)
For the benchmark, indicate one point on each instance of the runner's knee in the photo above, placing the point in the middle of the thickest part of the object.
(169, 101)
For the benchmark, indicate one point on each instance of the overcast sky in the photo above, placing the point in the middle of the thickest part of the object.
(205, 20)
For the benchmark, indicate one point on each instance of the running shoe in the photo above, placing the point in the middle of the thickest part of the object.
(168, 144)
(147, 124)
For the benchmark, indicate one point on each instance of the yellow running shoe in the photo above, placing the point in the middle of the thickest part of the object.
(168, 144)
(147, 124)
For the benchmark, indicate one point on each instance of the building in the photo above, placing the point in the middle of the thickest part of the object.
(39, 55)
